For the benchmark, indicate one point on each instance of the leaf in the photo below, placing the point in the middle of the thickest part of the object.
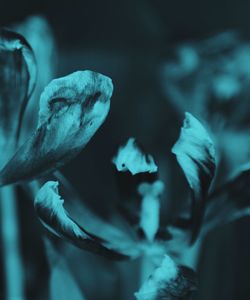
(72, 108)
(49, 207)
(14, 42)
(132, 158)
(229, 202)
(195, 154)
(17, 81)
(170, 282)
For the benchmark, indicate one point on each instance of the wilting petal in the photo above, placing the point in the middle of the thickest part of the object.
(133, 167)
(196, 156)
(72, 108)
(50, 210)
(132, 158)
(170, 282)
(38, 33)
(17, 81)
(122, 239)
(229, 202)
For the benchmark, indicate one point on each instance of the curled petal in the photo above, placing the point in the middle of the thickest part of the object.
(168, 281)
(37, 31)
(196, 156)
(121, 239)
(132, 158)
(133, 166)
(17, 81)
(14, 42)
(50, 210)
(72, 108)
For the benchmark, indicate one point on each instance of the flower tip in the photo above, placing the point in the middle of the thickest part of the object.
(48, 193)
(89, 89)
(131, 157)
(190, 121)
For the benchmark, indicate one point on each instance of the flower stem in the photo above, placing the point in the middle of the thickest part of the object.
(11, 248)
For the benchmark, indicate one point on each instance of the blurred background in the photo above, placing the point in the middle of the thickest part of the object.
(131, 41)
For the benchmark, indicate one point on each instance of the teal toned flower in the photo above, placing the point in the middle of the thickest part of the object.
(195, 154)
(72, 108)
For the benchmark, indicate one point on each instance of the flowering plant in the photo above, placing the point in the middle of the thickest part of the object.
(71, 110)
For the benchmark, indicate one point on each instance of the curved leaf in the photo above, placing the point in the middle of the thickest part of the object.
(72, 108)
(195, 154)
(17, 81)
(170, 282)
(50, 210)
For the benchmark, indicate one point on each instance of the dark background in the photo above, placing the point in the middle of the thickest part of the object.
(131, 23)
(127, 40)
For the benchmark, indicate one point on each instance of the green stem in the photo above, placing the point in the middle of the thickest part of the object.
(11, 248)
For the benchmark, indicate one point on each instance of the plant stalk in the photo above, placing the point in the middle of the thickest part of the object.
(10, 245)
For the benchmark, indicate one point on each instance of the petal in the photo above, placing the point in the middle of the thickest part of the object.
(132, 158)
(229, 202)
(121, 238)
(133, 167)
(39, 35)
(14, 42)
(195, 154)
(17, 81)
(49, 207)
(72, 108)
(168, 281)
